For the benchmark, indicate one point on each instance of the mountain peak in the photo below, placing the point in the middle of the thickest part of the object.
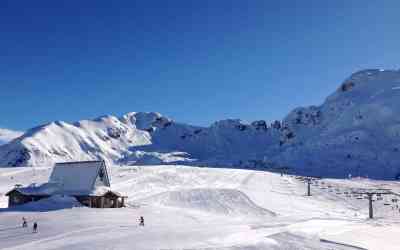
(145, 120)
(356, 130)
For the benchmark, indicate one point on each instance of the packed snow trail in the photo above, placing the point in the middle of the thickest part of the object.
(202, 208)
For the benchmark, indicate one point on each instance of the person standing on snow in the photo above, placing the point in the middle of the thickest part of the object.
(141, 221)
(24, 222)
(35, 226)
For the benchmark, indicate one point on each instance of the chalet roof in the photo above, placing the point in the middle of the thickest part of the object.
(73, 178)
(48, 189)
(79, 176)
(43, 189)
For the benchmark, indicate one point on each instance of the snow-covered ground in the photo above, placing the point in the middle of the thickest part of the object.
(204, 208)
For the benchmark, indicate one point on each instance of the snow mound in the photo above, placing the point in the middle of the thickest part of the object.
(55, 202)
(218, 201)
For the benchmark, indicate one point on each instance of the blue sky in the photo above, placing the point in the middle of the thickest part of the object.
(194, 61)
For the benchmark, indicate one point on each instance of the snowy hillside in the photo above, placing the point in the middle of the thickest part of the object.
(202, 209)
(7, 135)
(355, 131)
(138, 138)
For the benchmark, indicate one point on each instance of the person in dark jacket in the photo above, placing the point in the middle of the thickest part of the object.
(141, 221)
(35, 227)
(24, 222)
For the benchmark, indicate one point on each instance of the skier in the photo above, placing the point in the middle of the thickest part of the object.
(35, 226)
(141, 221)
(24, 222)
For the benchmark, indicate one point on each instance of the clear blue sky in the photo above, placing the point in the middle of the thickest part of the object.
(194, 61)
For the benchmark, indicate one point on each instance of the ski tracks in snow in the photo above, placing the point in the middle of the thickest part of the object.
(52, 242)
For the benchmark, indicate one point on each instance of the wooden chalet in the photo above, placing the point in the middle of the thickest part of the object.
(87, 181)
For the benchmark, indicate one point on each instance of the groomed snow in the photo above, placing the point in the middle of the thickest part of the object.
(202, 208)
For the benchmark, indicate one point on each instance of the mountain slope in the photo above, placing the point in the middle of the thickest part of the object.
(137, 138)
(355, 131)
(7, 135)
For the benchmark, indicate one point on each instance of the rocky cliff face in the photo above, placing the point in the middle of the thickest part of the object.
(355, 131)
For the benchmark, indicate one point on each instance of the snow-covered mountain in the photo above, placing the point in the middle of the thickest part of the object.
(355, 131)
(7, 135)
(138, 138)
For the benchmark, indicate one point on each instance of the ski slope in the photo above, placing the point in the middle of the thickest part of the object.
(203, 208)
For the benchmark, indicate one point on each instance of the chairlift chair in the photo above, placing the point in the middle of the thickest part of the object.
(386, 202)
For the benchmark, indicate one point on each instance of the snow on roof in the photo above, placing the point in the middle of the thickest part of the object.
(50, 189)
(43, 189)
(79, 176)
(73, 178)
(100, 191)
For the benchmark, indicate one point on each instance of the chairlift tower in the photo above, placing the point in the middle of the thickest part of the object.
(308, 180)
(370, 194)
(308, 186)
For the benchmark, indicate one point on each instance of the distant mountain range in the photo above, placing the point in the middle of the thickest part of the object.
(355, 131)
